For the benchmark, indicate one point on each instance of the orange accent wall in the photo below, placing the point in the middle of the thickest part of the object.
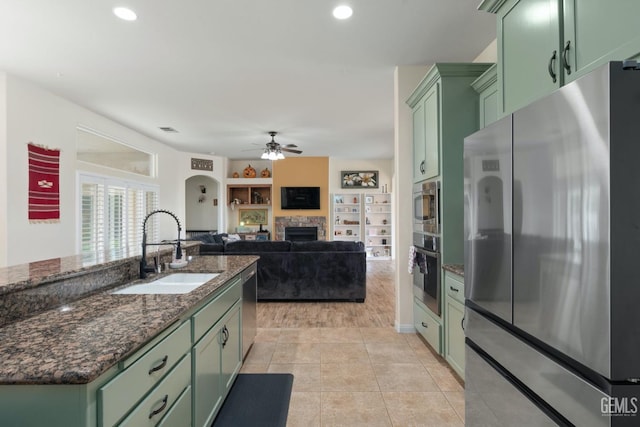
(301, 172)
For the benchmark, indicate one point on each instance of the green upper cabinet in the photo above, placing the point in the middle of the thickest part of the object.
(426, 126)
(445, 111)
(432, 132)
(597, 32)
(528, 52)
(487, 87)
(436, 91)
(543, 44)
(418, 142)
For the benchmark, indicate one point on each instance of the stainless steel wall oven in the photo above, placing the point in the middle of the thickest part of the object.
(426, 278)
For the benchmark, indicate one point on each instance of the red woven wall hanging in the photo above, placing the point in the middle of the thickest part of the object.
(44, 191)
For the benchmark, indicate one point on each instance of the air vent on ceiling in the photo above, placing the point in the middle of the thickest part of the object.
(168, 129)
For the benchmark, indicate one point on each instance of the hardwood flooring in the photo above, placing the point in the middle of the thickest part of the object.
(378, 310)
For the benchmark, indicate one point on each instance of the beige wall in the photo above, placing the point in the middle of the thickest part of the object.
(4, 181)
(301, 172)
(36, 115)
(406, 78)
(489, 54)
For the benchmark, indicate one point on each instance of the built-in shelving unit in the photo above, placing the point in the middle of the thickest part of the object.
(346, 216)
(377, 225)
(364, 217)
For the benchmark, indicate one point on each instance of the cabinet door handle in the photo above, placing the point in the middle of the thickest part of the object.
(424, 325)
(160, 366)
(225, 335)
(160, 409)
(565, 60)
(552, 60)
(453, 289)
(422, 167)
(462, 323)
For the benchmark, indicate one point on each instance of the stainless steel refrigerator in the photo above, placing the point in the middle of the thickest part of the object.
(552, 245)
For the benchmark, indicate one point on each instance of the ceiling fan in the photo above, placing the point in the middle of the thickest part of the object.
(274, 150)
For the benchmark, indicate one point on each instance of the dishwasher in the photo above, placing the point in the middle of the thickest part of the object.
(249, 297)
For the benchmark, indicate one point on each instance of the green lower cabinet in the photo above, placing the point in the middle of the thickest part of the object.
(117, 397)
(427, 325)
(231, 349)
(169, 382)
(454, 336)
(162, 398)
(454, 345)
(180, 414)
(216, 361)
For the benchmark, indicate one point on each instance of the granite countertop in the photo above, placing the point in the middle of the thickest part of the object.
(454, 268)
(34, 274)
(76, 343)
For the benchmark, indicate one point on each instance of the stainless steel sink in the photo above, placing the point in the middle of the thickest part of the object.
(177, 283)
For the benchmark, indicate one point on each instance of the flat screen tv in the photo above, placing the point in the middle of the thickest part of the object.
(300, 197)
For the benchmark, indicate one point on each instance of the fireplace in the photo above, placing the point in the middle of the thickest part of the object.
(300, 233)
(281, 223)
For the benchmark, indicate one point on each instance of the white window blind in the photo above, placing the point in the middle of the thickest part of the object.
(112, 213)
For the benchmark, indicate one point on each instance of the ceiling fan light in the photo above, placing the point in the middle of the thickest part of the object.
(273, 155)
(265, 155)
(279, 156)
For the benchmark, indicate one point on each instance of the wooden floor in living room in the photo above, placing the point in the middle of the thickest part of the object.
(351, 367)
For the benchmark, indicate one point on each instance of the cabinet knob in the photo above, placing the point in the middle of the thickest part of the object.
(552, 60)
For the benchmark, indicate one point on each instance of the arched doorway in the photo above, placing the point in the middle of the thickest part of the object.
(202, 205)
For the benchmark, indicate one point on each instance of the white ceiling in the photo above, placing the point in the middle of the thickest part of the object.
(225, 72)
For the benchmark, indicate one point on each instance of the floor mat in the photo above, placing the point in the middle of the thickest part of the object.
(256, 400)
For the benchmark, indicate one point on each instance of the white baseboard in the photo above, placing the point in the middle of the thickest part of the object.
(405, 328)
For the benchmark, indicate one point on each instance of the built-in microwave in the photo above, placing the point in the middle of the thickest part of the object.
(426, 207)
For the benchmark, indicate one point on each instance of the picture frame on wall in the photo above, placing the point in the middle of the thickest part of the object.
(359, 179)
(252, 216)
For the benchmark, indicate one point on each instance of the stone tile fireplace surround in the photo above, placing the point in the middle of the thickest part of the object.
(281, 222)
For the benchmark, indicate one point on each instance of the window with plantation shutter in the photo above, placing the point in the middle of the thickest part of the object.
(112, 212)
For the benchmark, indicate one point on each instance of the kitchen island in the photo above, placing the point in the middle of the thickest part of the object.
(78, 363)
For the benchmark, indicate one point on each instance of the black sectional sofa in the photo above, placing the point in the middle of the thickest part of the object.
(302, 271)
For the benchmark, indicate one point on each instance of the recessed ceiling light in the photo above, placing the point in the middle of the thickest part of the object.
(342, 12)
(125, 13)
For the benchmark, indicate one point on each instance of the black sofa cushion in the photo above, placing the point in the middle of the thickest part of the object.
(326, 246)
(209, 238)
(257, 246)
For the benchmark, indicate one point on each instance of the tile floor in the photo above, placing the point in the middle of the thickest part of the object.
(359, 376)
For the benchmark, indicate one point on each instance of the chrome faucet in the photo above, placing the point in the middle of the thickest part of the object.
(144, 268)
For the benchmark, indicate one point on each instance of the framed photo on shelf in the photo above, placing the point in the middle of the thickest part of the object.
(349, 232)
(262, 236)
(359, 179)
(252, 216)
(368, 199)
